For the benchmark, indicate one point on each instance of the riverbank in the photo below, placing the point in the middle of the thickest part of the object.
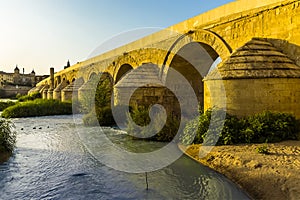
(273, 176)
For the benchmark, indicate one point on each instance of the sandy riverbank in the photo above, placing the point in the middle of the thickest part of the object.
(274, 176)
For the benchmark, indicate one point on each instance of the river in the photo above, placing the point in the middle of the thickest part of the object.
(50, 162)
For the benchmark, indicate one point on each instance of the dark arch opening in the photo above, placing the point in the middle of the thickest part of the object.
(193, 62)
(124, 69)
(73, 80)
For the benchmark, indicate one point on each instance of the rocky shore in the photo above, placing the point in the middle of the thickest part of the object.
(272, 176)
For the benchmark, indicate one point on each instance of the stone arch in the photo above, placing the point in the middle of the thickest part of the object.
(137, 58)
(92, 75)
(210, 41)
(64, 77)
(125, 59)
(190, 58)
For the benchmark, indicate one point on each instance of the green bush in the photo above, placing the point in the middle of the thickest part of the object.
(38, 107)
(273, 127)
(102, 95)
(7, 136)
(30, 97)
(105, 116)
(6, 104)
(90, 119)
(100, 113)
(270, 126)
(140, 117)
(263, 149)
(19, 95)
(102, 117)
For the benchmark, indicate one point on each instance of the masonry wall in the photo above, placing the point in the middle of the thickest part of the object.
(11, 91)
(279, 23)
(146, 96)
(243, 97)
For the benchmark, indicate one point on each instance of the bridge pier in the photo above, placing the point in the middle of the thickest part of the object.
(152, 91)
(45, 92)
(58, 90)
(257, 77)
(51, 87)
(70, 92)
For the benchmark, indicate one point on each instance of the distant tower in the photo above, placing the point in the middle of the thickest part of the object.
(32, 78)
(17, 75)
(68, 65)
(17, 71)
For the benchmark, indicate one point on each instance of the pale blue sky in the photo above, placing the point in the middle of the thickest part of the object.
(41, 34)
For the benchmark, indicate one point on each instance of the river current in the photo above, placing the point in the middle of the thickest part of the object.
(51, 162)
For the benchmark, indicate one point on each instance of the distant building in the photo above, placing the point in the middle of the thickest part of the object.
(20, 79)
(17, 83)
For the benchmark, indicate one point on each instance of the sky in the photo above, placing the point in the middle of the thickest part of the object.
(39, 34)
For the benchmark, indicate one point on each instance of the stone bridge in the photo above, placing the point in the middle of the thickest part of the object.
(257, 42)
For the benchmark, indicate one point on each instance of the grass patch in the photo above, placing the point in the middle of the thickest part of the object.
(30, 97)
(6, 104)
(38, 107)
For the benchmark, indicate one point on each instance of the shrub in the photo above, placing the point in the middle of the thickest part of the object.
(105, 116)
(270, 126)
(7, 136)
(160, 132)
(102, 95)
(19, 95)
(102, 117)
(263, 149)
(30, 97)
(101, 113)
(90, 119)
(6, 104)
(38, 107)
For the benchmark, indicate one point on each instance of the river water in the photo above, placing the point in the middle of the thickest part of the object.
(50, 162)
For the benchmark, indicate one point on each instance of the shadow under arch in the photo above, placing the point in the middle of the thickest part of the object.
(191, 62)
(106, 76)
(123, 70)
